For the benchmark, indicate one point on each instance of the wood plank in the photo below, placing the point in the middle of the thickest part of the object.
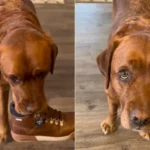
(93, 23)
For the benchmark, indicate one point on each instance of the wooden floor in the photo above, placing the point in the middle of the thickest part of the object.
(58, 20)
(92, 29)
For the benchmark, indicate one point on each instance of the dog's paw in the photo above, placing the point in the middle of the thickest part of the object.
(145, 135)
(108, 126)
(4, 135)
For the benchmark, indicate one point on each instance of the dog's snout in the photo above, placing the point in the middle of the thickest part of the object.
(140, 118)
(33, 108)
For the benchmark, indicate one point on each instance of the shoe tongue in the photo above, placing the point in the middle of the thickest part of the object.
(14, 112)
(53, 113)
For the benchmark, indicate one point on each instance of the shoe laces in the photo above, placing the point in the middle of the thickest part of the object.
(51, 116)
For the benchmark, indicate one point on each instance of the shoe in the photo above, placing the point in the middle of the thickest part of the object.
(50, 125)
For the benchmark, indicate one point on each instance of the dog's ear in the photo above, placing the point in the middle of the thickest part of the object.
(104, 60)
(54, 51)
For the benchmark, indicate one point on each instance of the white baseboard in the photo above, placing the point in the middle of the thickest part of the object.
(94, 0)
(48, 1)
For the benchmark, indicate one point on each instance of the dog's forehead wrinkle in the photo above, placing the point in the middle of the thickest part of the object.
(22, 63)
(136, 64)
(32, 53)
(15, 61)
(135, 56)
(39, 61)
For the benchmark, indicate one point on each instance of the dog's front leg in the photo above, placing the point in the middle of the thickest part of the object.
(4, 124)
(109, 125)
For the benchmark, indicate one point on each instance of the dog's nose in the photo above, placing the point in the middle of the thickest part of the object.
(140, 122)
(139, 118)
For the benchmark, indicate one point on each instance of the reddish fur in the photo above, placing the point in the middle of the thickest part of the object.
(128, 46)
(25, 51)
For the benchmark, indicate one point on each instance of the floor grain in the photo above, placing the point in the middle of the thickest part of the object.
(58, 20)
(93, 23)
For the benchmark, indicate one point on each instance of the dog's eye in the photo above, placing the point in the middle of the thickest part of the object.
(41, 74)
(124, 75)
(14, 79)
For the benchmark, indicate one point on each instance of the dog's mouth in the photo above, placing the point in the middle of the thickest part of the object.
(39, 118)
(137, 129)
(127, 123)
(27, 109)
(15, 113)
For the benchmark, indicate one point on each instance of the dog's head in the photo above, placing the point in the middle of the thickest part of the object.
(26, 57)
(126, 67)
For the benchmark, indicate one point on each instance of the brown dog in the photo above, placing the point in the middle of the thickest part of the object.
(126, 67)
(27, 54)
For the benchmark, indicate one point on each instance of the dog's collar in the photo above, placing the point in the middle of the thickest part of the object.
(15, 113)
(38, 120)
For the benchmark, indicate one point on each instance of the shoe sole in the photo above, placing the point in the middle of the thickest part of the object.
(26, 138)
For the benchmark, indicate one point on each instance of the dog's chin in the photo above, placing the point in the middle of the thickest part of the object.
(136, 130)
